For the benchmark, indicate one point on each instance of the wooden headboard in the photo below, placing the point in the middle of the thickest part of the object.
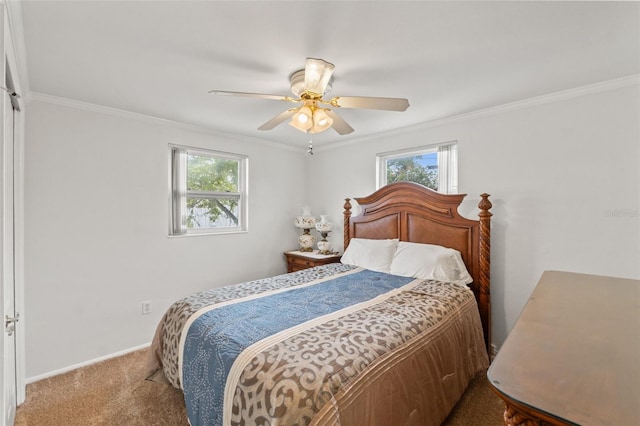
(414, 213)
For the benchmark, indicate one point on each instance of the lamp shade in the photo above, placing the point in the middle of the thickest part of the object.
(302, 119)
(321, 121)
(317, 74)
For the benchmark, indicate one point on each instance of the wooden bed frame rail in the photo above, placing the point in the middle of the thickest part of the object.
(414, 213)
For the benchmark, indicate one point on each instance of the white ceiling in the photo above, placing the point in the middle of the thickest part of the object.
(160, 58)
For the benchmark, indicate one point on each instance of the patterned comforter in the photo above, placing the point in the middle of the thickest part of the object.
(318, 346)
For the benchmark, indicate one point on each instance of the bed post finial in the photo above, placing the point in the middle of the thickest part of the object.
(485, 205)
(347, 218)
(485, 266)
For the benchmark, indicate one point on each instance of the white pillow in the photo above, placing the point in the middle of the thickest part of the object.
(375, 255)
(427, 261)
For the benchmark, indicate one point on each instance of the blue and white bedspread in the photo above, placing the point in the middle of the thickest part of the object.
(278, 351)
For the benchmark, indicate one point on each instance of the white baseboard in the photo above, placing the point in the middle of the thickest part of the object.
(86, 363)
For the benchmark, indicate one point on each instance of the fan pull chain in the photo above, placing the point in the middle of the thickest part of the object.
(310, 150)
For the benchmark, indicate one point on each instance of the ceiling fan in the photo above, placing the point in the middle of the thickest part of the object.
(313, 115)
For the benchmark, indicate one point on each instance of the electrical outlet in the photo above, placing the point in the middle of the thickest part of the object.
(146, 308)
(494, 350)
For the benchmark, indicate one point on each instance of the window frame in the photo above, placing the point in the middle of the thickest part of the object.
(450, 165)
(178, 192)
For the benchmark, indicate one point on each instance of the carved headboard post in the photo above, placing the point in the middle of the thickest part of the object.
(485, 266)
(347, 218)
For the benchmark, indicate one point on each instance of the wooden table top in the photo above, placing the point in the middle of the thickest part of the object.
(574, 353)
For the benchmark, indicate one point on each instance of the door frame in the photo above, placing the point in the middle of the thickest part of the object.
(11, 16)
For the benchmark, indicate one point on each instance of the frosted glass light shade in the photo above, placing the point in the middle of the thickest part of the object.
(317, 74)
(324, 226)
(321, 121)
(302, 119)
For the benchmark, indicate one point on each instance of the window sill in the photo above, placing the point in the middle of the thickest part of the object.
(208, 233)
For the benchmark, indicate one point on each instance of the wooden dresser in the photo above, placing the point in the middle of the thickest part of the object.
(573, 356)
(298, 260)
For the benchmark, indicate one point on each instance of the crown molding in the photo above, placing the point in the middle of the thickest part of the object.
(589, 89)
(86, 106)
(486, 112)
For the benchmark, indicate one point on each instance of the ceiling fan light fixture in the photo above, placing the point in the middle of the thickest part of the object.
(302, 119)
(317, 75)
(297, 83)
(321, 121)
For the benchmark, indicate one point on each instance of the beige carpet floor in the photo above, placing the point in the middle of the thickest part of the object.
(115, 392)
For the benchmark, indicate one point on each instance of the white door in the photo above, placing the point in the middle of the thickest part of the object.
(7, 259)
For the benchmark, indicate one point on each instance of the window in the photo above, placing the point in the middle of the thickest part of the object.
(208, 191)
(434, 166)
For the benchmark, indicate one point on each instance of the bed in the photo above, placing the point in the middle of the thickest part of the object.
(374, 340)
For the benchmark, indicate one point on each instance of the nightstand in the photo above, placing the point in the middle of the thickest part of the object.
(298, 260)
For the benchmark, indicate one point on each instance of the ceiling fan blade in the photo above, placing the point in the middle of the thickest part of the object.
(339, 125)
(387, 104)
(277, 119)
(317, 74)
(253, 95)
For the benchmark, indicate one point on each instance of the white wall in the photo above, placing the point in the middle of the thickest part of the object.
(564, 177)
(96, 221)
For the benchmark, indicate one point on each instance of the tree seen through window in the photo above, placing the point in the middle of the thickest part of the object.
(208, 180)
(422, 169)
